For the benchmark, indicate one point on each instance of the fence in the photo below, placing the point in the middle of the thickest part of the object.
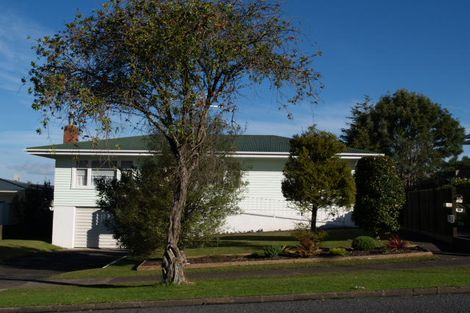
(425, 213)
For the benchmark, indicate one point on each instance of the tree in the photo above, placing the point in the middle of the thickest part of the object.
(32, 212)
(177, 66)
(138, 203)
(315, 176)
(380, 195)
(416, 132)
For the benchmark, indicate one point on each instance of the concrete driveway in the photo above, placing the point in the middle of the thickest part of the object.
(34, 268)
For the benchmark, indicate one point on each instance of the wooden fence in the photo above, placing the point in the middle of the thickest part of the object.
(425, 213)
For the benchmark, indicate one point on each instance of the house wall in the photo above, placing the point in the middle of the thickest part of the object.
(262, 206)
(72, 205)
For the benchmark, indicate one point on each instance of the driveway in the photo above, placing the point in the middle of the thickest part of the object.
(34, 268)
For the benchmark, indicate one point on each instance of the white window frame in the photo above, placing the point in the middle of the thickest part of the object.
(90, 184)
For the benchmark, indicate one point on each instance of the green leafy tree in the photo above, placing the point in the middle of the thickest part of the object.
(453, 169)
(315, 176)
(175, 65)
(138, 203)
(416, 132)
(380, 195)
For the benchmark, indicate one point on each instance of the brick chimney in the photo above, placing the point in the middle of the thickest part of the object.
(71, 132)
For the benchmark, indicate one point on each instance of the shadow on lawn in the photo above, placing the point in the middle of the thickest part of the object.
(247, 237)
(14, 252)
(61, 261)
(333, 234)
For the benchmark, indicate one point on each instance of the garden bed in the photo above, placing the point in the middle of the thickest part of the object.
(323, 256)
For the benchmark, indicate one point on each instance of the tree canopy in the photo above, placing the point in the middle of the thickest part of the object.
(175, 65)
(138, 202)
(315, 176)
(416, 132)
(380, 195)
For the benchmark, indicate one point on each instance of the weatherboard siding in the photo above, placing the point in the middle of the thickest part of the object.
(64, 193)
(90, 229)
(78, 223)
(263, 206)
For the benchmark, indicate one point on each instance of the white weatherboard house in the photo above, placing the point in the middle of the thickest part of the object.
(78, 223)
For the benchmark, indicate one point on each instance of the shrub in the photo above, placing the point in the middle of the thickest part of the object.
(380, 195)
(365, 243)
(395, 242)
(338, 251)
(309, 242)
(272, 251)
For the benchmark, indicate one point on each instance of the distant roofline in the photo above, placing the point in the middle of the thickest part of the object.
(19, 185)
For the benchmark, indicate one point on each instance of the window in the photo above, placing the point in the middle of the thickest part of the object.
(81, 178)
(81, 173)
(107, 174)
(87, 172)
(127, 165)
(103, 170)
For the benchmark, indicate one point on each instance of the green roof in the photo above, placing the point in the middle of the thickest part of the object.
(243, 143)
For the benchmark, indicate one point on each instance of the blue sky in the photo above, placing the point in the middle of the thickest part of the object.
(369, 48)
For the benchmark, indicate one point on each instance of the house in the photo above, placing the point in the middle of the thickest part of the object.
(8, 190)
(78, 223)
(34, 220)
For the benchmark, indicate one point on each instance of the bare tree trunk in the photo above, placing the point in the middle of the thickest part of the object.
(313, 222)
(173, 259)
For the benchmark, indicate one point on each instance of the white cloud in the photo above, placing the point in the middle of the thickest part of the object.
(24, 139)
(15, 48)
(34, 168)
(330, 117)
(15, 162)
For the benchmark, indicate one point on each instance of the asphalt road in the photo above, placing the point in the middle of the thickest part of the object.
(418, 304)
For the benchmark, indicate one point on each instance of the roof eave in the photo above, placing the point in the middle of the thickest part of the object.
(357, 155)
(241, 154)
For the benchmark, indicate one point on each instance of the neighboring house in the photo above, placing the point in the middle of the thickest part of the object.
(8, 190)
(78, 223)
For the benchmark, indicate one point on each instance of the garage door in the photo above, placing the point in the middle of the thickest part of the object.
(90, 229)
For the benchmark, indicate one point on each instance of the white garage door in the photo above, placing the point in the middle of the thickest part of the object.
(90, 229)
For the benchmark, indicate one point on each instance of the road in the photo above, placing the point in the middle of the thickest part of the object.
(419, 304)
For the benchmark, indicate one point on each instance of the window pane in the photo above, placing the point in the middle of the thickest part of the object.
(82, 163)
(102, 174)
(103, 164)
(81, 177)
(126, 165)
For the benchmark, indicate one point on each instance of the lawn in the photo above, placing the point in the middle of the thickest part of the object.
(238, 244)
(318, 283)
(249, 243)
(126, 268)
(16, 248)
(232, 244)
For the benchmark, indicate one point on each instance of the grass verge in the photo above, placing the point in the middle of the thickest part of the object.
(323, 282)
(16, 248)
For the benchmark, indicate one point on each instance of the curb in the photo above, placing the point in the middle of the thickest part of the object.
(240, 300)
